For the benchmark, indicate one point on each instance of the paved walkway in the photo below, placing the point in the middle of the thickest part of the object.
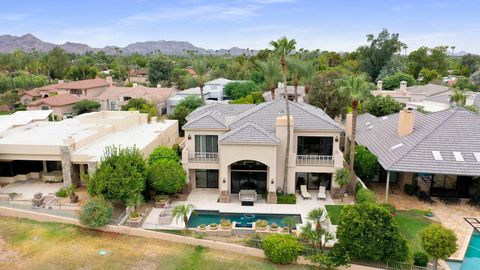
(451, 216)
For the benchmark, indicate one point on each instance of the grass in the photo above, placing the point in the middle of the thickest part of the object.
(410, 223)
(60, 246)
(5, 113)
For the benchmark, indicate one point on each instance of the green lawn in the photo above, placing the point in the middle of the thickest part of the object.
(410, 224)
(5, 113)
(35, 245)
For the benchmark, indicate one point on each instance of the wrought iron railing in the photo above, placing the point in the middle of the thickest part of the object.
(209, 157)
(314, 160)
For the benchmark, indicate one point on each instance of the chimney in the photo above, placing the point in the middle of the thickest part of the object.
(379, 85)
(109, 80)
(134, 84)
(60, 81)
(403, 86)
(406, 121)
(159, 86)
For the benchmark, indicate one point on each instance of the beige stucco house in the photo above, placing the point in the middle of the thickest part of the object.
(233, 147)
(68, 148)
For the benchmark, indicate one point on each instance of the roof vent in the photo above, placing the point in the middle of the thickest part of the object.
(437, 155)
(396, 146)
(458, 156)
(477, 156)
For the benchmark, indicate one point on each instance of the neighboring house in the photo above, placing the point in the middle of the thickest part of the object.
(138, 76)
(88, 89)
(60, 104)
(438, 152)
(212, 91)
(69, 148)
(29, 96)
(232, 147)
(114, 97)
(280, 93)
(191, 71)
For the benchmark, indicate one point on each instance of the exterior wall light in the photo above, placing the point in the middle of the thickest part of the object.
(224, 181)
(189, 137)
(336, 138)
(272, 182)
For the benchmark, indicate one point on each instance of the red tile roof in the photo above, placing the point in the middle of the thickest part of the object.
(84, 84)
(57, 101)
(152, 94)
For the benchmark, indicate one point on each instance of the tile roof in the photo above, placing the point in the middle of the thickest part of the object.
(248, 133)
(210, 119)
(453, 130)
(35, 92)
(428, 89)
(151, 93)
(57, 101)
(84, 84)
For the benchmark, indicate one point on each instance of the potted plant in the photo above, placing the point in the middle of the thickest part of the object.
(135, 216)
(274, 227)
(261, 224)
(286, 229)
(226, 224)
(71, 193)
(429, 213)
(213, 226)
(161, 201)
(12, 195)
(202, 227)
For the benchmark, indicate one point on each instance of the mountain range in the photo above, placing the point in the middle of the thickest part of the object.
(27, 42)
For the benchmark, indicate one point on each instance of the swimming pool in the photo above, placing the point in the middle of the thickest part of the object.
(471, 261)
(242, 219)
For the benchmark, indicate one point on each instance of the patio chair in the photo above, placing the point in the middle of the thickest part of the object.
(422, 196)
(322, 194)
(304, 192)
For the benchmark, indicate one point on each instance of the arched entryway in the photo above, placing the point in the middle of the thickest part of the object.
(248, 174)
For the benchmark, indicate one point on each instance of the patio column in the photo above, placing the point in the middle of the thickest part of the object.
(44, 163)
(387, 186)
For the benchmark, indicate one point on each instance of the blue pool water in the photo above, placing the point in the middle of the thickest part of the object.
(471, 261)
(243, 220)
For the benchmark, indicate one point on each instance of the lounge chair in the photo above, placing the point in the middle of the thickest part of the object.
(304, 192)
(322, 194)
(426, 198)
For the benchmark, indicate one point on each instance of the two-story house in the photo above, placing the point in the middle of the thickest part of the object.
(232, 147)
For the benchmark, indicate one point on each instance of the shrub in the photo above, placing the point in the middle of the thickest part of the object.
(420, 259)
(225, 223)
(366, 163)
(62, 193)
(358, 186)
(391, 82)
(281, 248)
(365, 195)
(202, 226)
(410, 189)
(213, 226)
(439, 242)
(261, 223)
(254, 241)
(286, 199)
(163, 152)
(96, 213)
(390, 208)
(85, 106)
(166, 176)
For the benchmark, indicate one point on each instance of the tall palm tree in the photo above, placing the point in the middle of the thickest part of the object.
(355, 88)
(201, 69)
(271, 71)
(308, 71)
(318, 215)
(282, 48)
(294, 66)
(181, 212)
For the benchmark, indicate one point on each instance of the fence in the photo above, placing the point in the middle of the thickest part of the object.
(392, 265)
(48, 211)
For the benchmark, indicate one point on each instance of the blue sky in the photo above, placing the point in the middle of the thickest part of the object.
(327, 25)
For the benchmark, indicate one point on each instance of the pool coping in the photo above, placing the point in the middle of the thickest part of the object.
(463, 248)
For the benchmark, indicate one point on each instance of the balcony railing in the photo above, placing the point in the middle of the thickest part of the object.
(314, 160)
(208, 157)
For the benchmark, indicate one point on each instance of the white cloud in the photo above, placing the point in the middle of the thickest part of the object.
(13, 17)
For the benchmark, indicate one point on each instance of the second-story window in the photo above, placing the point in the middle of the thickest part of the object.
(206, 143)
(319, 146)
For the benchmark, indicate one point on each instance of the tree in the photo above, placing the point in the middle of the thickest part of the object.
(141, 105)
(271, 71)
(465, 85)
(308, 72)
(369, 232)
(294, 66)
(381, 106)
(184, 108)
(96, 213)
(318, 216)
(396, 64)
(475, 77)
(201, 69)
(10, 98)
(458, 98)
(120, 176)
(356, 89)
(375, 55)
(182, 211)
(237, 90)
(366, 163)
(391, 82)
(253, 98)
(429, 59)
(324, 93)
(290, 222)
(439, 242)
(281, 248)
(282, 48)
(471, 62)
(190, 102)
(163, 152)
(342, 178)
(159, 70)
(85, 106)
(317, 237)
(57, 62)
(166, 176)
(429, 75)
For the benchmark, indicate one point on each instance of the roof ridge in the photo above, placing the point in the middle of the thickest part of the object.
(252, 110)
(248, 124)
(208, 114)
(316, 108)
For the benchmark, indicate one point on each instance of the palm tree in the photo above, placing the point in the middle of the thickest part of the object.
(458, 98)
(453, 50)
(290, 222)
(294, 67)
(201, 69)
(271, 73)
(342, 178)
(282, 48)
(308, 72)
(181, 212)
(318, 215)
(317, 238)
(355, 88)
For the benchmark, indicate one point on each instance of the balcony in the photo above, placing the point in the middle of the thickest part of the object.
(314, 160)
(206, 157)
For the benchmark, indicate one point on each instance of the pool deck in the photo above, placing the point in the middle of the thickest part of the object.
(206, 199)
